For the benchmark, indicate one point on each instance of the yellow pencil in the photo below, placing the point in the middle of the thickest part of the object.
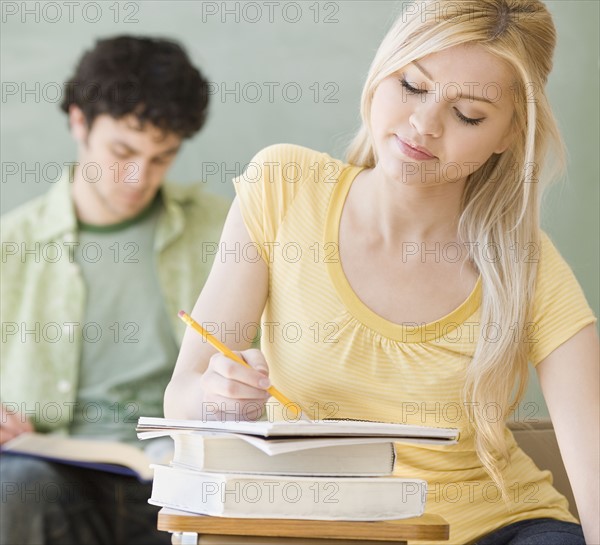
(233, 356)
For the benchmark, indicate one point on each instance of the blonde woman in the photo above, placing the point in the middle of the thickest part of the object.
(412, 282)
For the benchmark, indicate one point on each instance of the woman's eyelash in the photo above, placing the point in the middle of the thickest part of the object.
(414, 91)
(410, 88)
(467, 120)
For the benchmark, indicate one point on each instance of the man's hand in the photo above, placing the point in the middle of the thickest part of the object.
(12, 424)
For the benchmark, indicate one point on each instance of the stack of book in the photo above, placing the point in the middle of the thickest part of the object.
(320, 470)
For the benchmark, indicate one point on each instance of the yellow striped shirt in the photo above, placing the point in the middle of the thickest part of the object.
(329, 351)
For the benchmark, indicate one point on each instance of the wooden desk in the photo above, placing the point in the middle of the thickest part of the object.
(186, 528)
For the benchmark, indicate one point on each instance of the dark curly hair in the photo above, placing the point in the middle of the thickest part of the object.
(151, 78)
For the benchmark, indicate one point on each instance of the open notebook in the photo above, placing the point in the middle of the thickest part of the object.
(320, 429)
(101, 455)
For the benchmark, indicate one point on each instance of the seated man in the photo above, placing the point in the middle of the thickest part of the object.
(93, 275)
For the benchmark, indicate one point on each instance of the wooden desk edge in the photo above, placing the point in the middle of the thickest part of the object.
(428, 526)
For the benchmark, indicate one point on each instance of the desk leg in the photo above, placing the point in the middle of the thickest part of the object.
(184, 538)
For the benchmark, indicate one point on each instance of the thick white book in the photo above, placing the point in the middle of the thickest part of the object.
(309, 498)
(232, 454)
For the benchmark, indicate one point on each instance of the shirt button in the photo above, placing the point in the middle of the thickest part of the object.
(63, 386)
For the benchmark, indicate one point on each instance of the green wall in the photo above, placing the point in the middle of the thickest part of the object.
(321, 49)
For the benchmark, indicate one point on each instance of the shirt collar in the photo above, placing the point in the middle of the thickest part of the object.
(172, 223)
(59, 219)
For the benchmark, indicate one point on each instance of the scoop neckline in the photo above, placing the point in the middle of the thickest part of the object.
(409, 332)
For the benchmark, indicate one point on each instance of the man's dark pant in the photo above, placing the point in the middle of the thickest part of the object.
(541, 531)
(44, 502)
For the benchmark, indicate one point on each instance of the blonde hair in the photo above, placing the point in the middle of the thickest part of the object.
(497, 214)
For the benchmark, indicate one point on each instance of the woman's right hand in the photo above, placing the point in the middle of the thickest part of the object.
(231, 391)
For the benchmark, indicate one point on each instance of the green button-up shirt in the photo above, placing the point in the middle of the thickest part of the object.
(43, 295)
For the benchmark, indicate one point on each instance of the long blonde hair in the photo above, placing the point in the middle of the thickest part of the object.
(498, 214)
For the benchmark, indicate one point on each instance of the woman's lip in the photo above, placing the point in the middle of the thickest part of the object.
(414, 151)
